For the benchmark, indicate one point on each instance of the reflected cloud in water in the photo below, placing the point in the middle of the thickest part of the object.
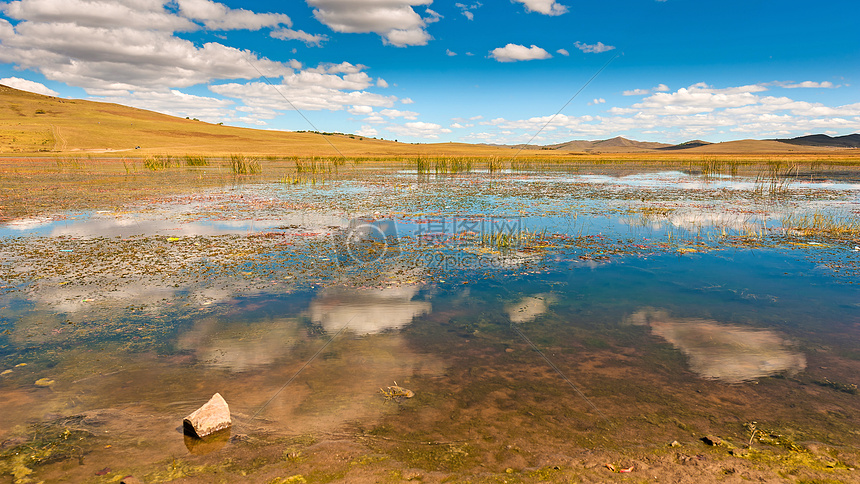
(367, 310)
(529, 308)
(723, 351)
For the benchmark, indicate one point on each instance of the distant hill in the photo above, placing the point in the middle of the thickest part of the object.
(823, 140)
(617, 144)
(686, 145)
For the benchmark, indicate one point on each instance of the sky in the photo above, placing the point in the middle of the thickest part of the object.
(502, 71)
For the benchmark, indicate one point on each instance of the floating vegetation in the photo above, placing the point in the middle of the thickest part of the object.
(396, 393)
(849, 388)
(49, 442)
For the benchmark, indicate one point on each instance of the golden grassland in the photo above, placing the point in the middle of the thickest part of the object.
(36, 125)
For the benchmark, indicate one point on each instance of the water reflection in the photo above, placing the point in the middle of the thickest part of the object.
(367, 310)
(724, 351)
(529, 308)
(239, 346)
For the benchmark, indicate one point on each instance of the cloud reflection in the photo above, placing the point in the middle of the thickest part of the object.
(367, 310)
(724, 351)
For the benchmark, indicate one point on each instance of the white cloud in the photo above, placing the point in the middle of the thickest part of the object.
(395, 113)
(456, 126)
(546, 7)
(466, 10)
(367, 131)
(117, 47)
(636, 92)
(144, 14)
(418, 129)
(381, 83)
(27, 85)
(217, 16)
(407, 100)
(290, 34)
(661, 88)
(449, 53)
(394, 20)
(593, 48)
(563, 52)
(694, 112)
(177, 103)
(596, 101)
(806, 84)
(361, 110)
(515, 52)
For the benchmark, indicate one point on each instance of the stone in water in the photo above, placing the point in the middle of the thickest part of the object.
(209, 418)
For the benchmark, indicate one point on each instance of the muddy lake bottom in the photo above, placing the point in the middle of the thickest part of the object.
(590, 325)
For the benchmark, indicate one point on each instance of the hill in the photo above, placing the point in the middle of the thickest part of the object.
(823, 140)
(617, 144)
(686, 145)
(33, 123)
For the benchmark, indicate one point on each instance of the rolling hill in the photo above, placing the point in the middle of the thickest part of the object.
(35, 124)
(32, 124)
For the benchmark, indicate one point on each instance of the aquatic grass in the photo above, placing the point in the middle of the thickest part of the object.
(196, 160)
(776, 179)
(822, 224)
(159, 162)
(245, 165)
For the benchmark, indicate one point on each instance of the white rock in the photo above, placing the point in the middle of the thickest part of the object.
(210, 418)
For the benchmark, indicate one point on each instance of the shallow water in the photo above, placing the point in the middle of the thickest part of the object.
(533, 314)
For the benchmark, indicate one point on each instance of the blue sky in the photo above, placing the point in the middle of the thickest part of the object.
(431, 71)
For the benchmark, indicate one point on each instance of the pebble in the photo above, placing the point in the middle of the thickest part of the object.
(44, 382)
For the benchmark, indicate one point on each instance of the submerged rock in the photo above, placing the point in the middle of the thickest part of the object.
(210, 418)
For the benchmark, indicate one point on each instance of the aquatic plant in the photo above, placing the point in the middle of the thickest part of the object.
(245, 165)
(196, 160)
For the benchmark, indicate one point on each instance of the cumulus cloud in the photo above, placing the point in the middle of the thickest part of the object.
(563, 52)
(367, 131)
(636, 92)
(806, 84)
(407, 100)
(381, 83)
(394, 20)
(112, 48)
(332, 87)
(515, 52)
(699, 110)
(546, 7)
(396, 113)
(450, 53)
(290, 34)
(418, 129)
(27, 85)
(593, 48)
(217, 16)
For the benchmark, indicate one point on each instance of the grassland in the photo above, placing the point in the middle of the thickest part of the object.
(36, 125)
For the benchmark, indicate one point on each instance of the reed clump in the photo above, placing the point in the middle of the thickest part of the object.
(159, 162)
(196, 160)
(823, 225)
(245, 165)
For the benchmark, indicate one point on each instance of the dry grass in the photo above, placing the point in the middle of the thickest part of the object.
(40, 125)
